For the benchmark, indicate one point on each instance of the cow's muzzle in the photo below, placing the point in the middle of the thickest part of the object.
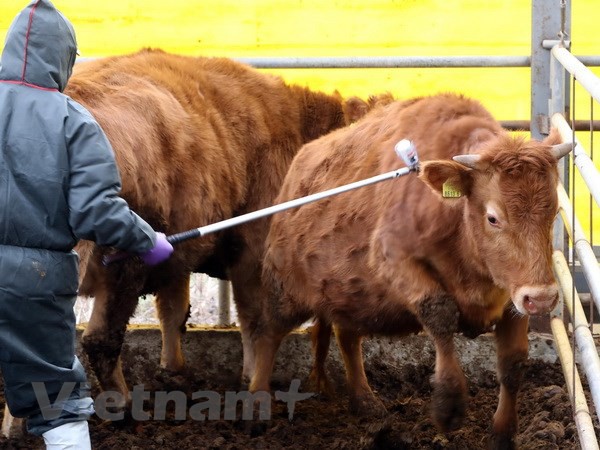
(536, 299)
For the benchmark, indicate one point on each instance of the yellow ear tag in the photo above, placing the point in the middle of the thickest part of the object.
(449, 191)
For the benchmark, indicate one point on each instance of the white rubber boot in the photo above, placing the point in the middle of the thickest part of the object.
(70, 436)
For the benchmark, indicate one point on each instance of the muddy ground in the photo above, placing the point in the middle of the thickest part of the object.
(325, 423)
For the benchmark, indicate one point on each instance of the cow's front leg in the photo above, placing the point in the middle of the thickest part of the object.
(512, 349)
(249, 296)
(102, 341)
(439, 316)
(173, 306)
(362, 399)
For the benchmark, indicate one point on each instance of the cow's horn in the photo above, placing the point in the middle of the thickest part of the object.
(560, 150)
(467, 160)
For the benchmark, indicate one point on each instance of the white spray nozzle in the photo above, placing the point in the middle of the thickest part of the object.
(406, 150)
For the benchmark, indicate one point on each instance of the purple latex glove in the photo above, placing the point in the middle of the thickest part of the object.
(160, 252)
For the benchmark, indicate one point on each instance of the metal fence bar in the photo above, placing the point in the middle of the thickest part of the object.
(581, 412)
(583, 162)
(546, 24)
(582, 246)
(390, 62)
(589, 60)
(576, 68)
(385, 62)
(523, 125)
(583, 335)
(557, 104)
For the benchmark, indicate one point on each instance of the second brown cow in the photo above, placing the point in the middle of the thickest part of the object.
(445, 252)
(197, 141)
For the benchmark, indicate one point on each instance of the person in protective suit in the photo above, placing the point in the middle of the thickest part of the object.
(58, 183)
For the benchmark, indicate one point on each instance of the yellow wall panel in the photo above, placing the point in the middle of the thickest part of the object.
(333, 28)
(236, 28)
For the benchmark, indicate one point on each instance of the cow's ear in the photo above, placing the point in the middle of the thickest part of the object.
(354, 109)
(448, 179)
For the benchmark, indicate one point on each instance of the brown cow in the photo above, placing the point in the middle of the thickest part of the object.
(444, 252)
(197, 140)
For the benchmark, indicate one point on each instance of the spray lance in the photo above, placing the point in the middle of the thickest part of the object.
(405, 149)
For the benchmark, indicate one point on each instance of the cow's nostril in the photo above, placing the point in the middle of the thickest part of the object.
(539, 302)
(529, 305)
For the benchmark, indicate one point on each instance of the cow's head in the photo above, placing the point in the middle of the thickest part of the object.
(508, 191)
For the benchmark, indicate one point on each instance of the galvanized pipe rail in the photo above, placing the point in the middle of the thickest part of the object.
(582, 246)
(581, 412)
(581, 330)
(524, 125)
(583, 162)
(391, 62)
(575, 67)
(397, 62)
(561, 60)
(385, 62)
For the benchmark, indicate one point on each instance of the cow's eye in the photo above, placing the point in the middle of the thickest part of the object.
(493, 220)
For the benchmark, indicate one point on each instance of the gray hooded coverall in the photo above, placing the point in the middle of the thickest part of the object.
(58, 183)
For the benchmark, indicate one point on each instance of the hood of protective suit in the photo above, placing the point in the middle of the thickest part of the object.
(40, 47)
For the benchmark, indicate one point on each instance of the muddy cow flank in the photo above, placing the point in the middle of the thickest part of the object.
(197, 141)
(444, 252)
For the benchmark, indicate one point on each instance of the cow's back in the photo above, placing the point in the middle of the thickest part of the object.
(209, 116)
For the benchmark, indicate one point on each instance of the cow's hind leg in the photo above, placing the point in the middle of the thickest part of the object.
(439, 317)
(320, 335)
(173, 305)
(512, 349)
(362, 399)
(103, 339)
(279, 317)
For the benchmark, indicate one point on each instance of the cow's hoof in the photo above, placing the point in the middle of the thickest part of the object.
(367, 406)
(255, 429)
(502, 441)
(320, 384)
(246, 377)
(448, 407)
